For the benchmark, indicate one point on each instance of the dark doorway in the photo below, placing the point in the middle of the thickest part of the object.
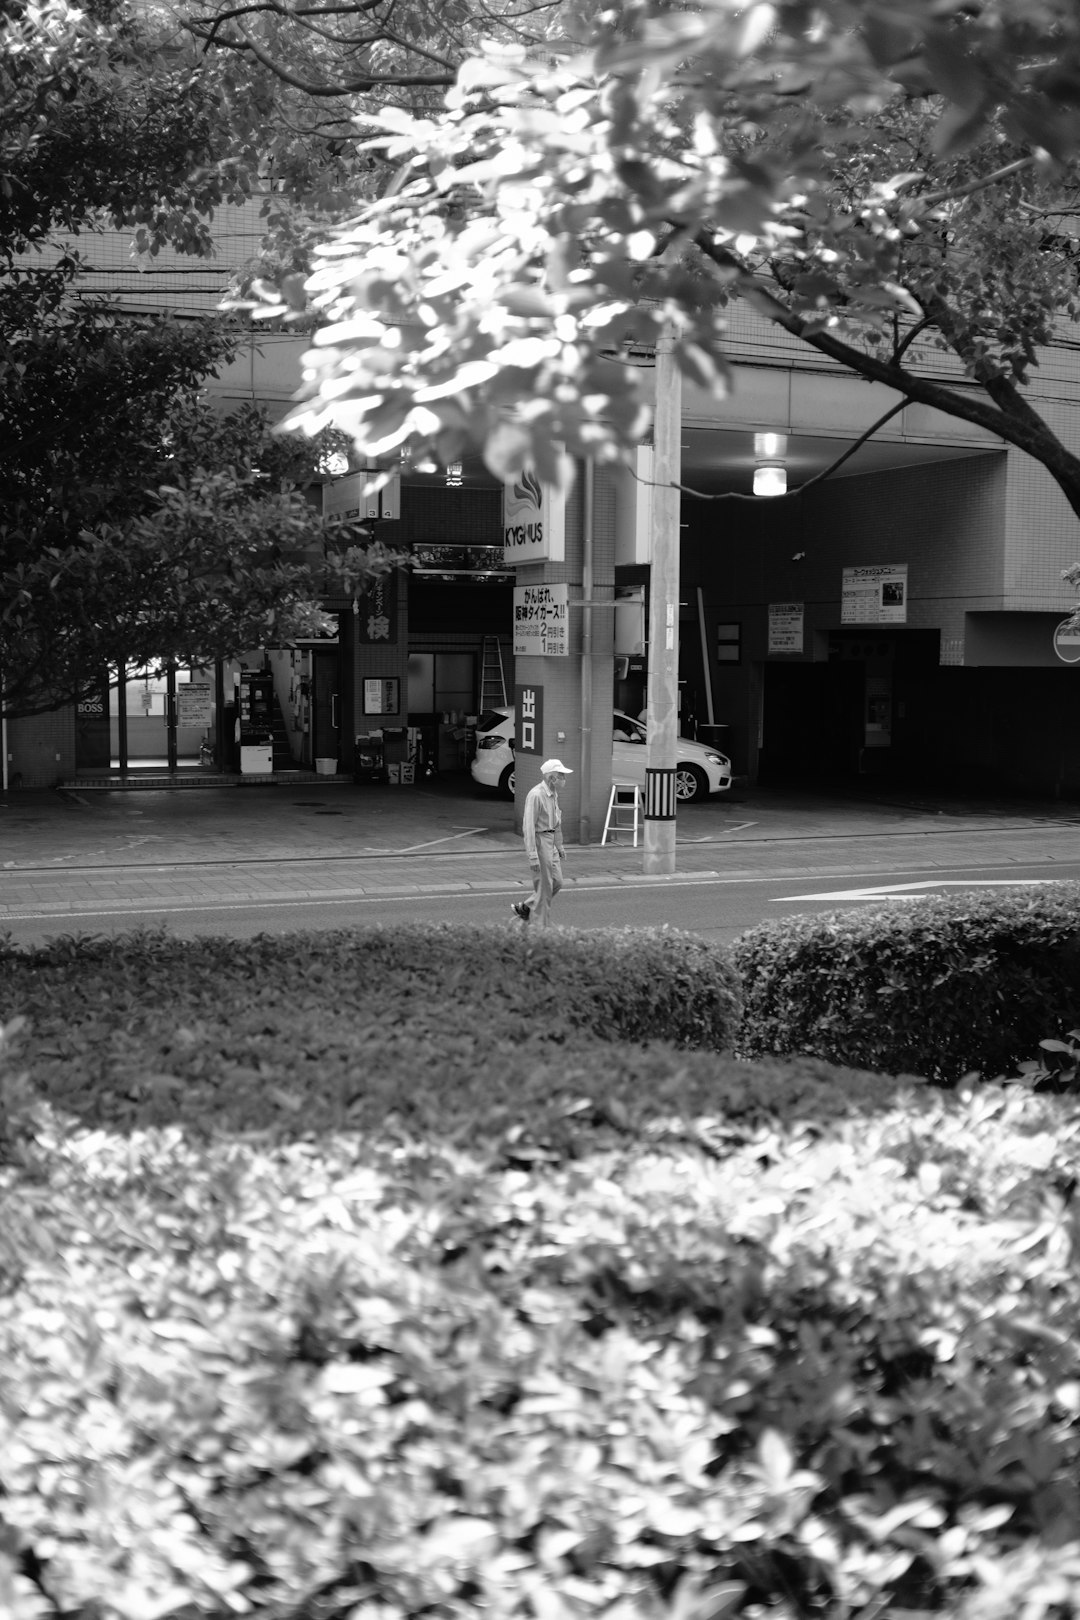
(326, 704)
(812, 725)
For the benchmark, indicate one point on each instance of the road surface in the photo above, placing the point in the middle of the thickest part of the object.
(711, 904)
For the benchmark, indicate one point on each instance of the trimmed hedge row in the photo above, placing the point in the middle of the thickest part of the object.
(459, 1034)
(794, 1374)
(940, 987)
(433, 1291)
(643, 984)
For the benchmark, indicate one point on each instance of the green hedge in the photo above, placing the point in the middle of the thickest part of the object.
(940, 987)
(345, 1028)
(410, 1275)
(707, 1374)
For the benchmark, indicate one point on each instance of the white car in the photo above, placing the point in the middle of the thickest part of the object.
(699, 770)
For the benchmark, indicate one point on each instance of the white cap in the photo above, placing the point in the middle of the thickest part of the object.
(551, 765)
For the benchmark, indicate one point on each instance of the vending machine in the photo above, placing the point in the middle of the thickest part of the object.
(256, 724)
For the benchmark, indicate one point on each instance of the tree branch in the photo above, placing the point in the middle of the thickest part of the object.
(369, 82)
(919, 389)
(932, 198)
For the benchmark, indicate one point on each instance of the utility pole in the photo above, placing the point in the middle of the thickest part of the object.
(663, 647)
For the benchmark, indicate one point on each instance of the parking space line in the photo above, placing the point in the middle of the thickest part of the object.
(411, 849)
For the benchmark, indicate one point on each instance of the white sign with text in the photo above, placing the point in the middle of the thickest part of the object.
(875, 594)
(541, 613)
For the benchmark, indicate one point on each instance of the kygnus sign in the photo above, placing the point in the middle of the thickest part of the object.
(534, 526)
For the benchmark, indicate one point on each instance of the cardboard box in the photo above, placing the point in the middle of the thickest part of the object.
(393, 773)
(408, 775)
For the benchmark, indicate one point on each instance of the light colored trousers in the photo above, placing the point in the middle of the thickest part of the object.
(547, 881)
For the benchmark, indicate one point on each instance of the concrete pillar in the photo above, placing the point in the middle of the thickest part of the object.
(663, 650)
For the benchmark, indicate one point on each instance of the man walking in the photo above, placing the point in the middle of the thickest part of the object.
(542, 829)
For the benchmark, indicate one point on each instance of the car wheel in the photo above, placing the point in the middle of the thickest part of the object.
(690, 783)
(506, 782)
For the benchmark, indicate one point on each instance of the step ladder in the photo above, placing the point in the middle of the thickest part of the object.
(625, 801)
(492, 676)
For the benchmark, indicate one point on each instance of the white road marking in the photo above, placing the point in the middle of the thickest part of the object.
(449, 839)
(710, 839)
(903, 891)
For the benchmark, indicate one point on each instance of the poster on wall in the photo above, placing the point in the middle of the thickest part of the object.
(194, 704)
(541, 613)
(785, 627)
(382, 696)
(875, 594)
(534, 522)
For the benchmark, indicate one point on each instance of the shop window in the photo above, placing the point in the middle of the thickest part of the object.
(442, 683)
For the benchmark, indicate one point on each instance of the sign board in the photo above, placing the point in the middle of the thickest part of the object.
(382, 696)
(529, 719)
(534, 522)
(875, 594)
(390, 498)
(1067, 642)
(194, 704)
(785, 627)
(345, 501)
(377, 613)
(541, 613)
(344, 498)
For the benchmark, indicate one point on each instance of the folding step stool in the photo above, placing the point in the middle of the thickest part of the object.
(625, 801)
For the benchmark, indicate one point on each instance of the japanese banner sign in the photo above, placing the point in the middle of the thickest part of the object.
(540, 619)
(529, 719)
(376, 613)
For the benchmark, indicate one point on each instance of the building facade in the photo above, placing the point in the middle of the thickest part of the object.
(895, 618)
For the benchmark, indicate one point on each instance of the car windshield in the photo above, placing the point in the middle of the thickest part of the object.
(623, 729)
(490, 719)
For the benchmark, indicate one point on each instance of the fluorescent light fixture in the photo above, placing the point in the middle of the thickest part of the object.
(770, 479)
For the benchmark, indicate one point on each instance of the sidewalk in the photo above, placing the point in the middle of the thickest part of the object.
(63, 853)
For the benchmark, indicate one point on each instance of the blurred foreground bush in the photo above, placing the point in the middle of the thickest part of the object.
(631, 1331)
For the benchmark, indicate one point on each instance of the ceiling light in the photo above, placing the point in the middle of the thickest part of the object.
(770, 478)
(770, 473)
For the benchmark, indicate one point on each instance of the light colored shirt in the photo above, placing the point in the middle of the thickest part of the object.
(541, 815)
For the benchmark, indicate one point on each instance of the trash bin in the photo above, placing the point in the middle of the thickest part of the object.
(326, 767)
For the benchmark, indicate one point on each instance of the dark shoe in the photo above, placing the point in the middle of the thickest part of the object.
(520, 909)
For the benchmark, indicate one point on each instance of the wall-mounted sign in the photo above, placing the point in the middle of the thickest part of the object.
(540, 619)
(529, 719)
(785, 627)
(534, 522)
(344, 500)
(875, 594)
(194, 704)
(377, 613)
(382, 696)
